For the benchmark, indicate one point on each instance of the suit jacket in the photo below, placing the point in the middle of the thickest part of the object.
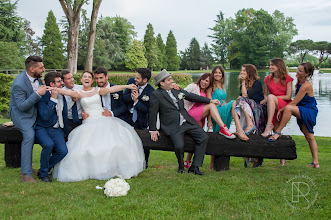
(161, 103)
(22, 105)
(142, 106)
(118, 106)
(47, 115)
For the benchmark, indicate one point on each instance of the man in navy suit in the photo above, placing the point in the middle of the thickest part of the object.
(113, 102)
(137, 102)
(26, 91)
(51, 126)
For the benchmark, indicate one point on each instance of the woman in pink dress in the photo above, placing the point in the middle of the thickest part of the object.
(199, 111)
(279, 86)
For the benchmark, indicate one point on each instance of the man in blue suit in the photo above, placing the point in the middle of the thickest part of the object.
(137, 102)
(51, 126)
(26, 91)
(113, 102)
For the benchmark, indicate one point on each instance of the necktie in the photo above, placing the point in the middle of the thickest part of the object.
(134, 115)
(74, 111)
(181, 117)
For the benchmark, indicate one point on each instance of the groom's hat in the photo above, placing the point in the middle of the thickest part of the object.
(161, 76)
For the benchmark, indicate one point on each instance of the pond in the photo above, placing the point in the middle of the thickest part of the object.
(322, 92)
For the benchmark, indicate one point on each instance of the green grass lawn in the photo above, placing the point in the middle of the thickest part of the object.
(161, 193)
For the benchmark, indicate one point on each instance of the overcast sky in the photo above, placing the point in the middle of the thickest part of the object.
(191, 18)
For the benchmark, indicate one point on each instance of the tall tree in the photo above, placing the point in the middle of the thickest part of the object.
(172, 59)
(52, 44)
(32, 46)
(135, 56)
(114, 36)
(161, 46)
(84, 28)
(72, 9)
(10, 56)
(206, 57)
(151, 52)
(323, 49)
(303, 47)
(194, 55)
(92, 33)
(221, 37)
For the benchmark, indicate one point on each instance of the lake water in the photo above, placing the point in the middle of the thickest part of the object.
(322, 92)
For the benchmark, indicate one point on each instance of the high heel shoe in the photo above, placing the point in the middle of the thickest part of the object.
(314, 165)
(266, 134)
(250, 131)
(241, 135)
(272, 139)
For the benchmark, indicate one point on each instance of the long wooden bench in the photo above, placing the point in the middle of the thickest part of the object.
(222, 148)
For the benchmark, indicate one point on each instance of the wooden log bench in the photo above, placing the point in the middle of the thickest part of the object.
(222, 148)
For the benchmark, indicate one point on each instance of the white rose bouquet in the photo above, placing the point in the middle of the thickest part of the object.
(115, 187)
(145, 98)
(116, 95)
(181, 96)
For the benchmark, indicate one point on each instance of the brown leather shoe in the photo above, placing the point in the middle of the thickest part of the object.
(28, 179)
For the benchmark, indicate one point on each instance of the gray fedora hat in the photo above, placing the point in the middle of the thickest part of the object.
(161, 76)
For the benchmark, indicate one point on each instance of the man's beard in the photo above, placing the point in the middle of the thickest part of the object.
(37, 75)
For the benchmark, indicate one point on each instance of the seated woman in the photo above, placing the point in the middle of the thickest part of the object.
(279, 85)
(217, 91)
(303, 107)
(247, 111)
(102, 147)
(199, 111)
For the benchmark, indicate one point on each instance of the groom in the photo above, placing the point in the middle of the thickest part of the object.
(175, 121)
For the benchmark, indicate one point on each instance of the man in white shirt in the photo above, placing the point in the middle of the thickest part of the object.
(74, 107)
(26, 91)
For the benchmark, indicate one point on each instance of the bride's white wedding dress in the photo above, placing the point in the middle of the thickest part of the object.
(101, 148)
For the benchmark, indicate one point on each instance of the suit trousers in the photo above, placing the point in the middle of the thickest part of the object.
(26, 150)
(199, 136)
(54, 148)
(72, 125)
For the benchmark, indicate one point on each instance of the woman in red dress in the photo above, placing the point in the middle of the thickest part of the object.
(279, 87)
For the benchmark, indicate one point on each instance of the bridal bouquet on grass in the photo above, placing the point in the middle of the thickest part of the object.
(115, 187)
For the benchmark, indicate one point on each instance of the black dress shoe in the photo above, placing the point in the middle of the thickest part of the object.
(46, 179)
(181, 170)
(195, 170)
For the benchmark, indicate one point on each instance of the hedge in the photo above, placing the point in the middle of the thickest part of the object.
(5, 85)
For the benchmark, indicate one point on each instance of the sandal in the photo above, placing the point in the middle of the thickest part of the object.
(272, 138)
(242, 136)
(314, 165)
(266, 134)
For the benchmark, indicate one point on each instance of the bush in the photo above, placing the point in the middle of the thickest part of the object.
(5, 85)
(181, 79)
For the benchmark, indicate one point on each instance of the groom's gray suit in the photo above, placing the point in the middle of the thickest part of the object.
(169, 113)
(23, 112)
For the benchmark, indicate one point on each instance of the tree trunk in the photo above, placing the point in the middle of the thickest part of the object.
(91, 38)
(72, 11)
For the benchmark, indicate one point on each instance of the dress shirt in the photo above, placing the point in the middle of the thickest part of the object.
(34, 83)
(70, 103)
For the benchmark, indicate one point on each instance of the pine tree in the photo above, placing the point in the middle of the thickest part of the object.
(151, 52)
(206, 57)
(135, 56)
(162, 57)
(52, 44)
(172, 59)
(194, 54)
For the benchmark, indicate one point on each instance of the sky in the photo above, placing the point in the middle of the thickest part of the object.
(190, 18)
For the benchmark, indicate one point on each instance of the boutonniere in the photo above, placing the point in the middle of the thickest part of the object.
(145, 98)
(181, 96)
(116, 95)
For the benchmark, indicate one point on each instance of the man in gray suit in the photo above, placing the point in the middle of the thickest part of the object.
(175, 120)
(26, 91)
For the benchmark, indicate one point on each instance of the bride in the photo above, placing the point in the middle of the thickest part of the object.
(102, 147)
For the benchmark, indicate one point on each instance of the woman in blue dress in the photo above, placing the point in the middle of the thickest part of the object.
(304, 108)
(217, 91)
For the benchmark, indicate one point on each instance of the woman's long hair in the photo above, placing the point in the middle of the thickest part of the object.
(309, 68)
(203, 77)
(222, 80)
(282, 70)
(251, 75)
